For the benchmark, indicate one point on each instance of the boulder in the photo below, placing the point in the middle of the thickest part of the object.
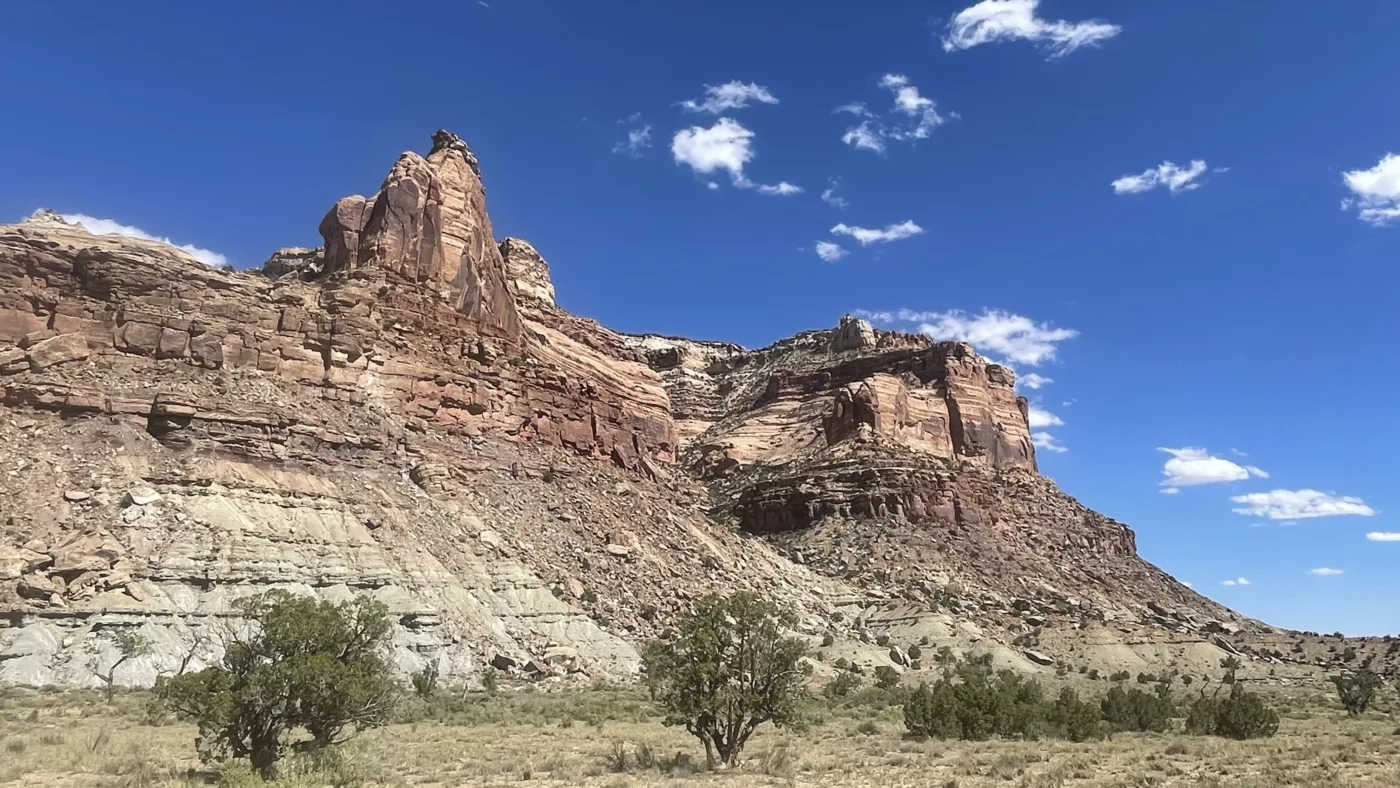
(1038, 658)
(140, 496)
(58, 350)
(35, 587)
(15, 562)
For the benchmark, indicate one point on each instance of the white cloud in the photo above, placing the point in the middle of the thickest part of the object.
(1034, 381)
(1013, 337)
(727, 146)
(1046, 442)
(1300, 504)
(918, 117)
(830, 252)
(891, 232)
(1188, 467)
(829, 196)
(781, 188)
(712, 186)
(108, 227)
(1383, 536)
(1325, 571)
(1377, 191)
(1167, 174)
(1040, 417)
(730, 95)
(1169, 491)
(1187, 583)
(1239, 581)
(638, 140)
(993, 21)
(864, 137)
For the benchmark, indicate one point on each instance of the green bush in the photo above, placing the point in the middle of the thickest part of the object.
(844, 684)
(886, 677)
(981, 704)
(1135, 710)
(1241, 715)
(1075, 719)
(1356, 691)
(915, 652)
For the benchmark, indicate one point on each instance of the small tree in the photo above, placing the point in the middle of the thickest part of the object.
(129, 645)
(425, 680)
(886, 677)
(1075, 719)
(1357, 690)
(726, 669)
(1241, 715)
(299, 664)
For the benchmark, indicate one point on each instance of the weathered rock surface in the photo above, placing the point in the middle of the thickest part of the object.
(406, 413)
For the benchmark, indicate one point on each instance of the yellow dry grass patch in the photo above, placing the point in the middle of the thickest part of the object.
(77, 740)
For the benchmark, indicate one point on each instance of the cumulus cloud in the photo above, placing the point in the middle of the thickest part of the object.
(1376, 191)
(730, 95)
(98, 226)
(1383, 536)
(830, 252)
(891, 232)
(914, 116)
(1189, 467)
(1013, 337)
(1039, 417)
(1239, 581)
(994, 21)
(1176, 179)
(1046, 442)
(1034, 381)
(726, 146)
(1300, 504)
(1325, 571)
(829, 196)
(864, 136)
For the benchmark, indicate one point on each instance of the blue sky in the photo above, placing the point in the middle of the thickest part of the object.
(1243, 306)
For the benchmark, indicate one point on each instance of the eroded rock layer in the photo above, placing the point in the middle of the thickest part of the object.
(406, 412)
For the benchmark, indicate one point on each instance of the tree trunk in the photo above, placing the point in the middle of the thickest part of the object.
(264, 756)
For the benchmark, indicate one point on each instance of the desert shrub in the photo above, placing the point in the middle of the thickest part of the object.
(301, 665)
(726, 669)
(1075, 719)
(1357, 690)
(1121, 675)
(1240, 715)
(915, 652)
(980, 704)
(844, 684)
(425, 681)
(1136, 710)
(932, 711)
(886, 677)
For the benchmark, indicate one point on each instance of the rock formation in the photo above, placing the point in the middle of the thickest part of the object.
(407, 413)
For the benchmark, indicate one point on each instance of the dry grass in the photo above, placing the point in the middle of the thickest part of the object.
(605, 739)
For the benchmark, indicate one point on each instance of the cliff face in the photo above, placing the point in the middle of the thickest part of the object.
(407, 413)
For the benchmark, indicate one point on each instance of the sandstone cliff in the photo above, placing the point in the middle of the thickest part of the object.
(405, 412)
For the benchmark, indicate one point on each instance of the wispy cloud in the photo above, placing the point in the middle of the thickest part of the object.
(1383, 536)
(830, 252)
(993, 21)
(1034, 381)
(729, 96)
(781, 189)
(1325, 571)
(829, 196)
(1300, 505)
(1175, 179)
(891, 232)
(638, 138)
(1046, 442)
(913, 117)
(1190, 466)
(1376, 191)
(1239, 581)
(98, 226)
